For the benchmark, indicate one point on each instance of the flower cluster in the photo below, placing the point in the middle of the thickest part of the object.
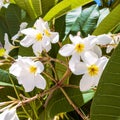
(87, 59)
(84, 54)
(26, 69)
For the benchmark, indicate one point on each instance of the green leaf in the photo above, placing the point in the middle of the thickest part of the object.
(63, 7)
(58, 102)
(106, 103)
(33, 7)
(25, 51)
(13, 19)
(71, 18)
(87, 21)
(109, 23)
(47, 5)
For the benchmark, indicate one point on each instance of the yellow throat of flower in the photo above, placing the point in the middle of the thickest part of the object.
(33, 69)
(39, 37)
(93, 70)
(79, 47)
(47, 33)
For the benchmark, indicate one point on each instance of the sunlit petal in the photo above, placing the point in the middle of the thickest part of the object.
(37, 48)
(86, 82)
(40, 82)
(89, 57)
(66, 50)
(76, 66)
(29, 31)
(103, 39)
(27, 41)
(97, 50)
(54, 37)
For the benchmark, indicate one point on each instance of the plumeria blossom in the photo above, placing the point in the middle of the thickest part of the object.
(9, 114)
(78, 47)
(7, 47)
(28, 73)
(91, 68)
(40, 37)
(23, 25)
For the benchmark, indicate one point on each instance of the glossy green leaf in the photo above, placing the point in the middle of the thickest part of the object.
(71, 18)
(63, 7)
(58, 102)
(13, 19)
(86, 22)
(109, 23)
(33, 7)
(47, 5)
(106, 103)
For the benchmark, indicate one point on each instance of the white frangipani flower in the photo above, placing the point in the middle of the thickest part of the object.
(23, 25)
(40, 37)
(28, 73)
(9, 114)
(8, 46)
(78, 46)
(91, 68)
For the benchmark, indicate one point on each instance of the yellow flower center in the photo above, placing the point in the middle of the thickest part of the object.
(2, 52)
(93, 70)
(47, 32)
(39, 37)
(33, 69)
(79, 47)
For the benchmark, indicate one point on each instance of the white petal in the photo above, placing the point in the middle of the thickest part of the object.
(15, 37)
(27, 41)
(37, 48)
(48, 47)
(29, 31)
(39, 24)
(102, 62)
(40, 82)
(89, 42)
(86, 83)
(27, 80)
(103, 39)
(40, 66)
(15, 69)
(66, 50)
(23, 25)
(76, 66)
(54, 37)
(8, 46)
(75, 39)
(89, 57)
(9, 115)
(97, 50)
(46, 44)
